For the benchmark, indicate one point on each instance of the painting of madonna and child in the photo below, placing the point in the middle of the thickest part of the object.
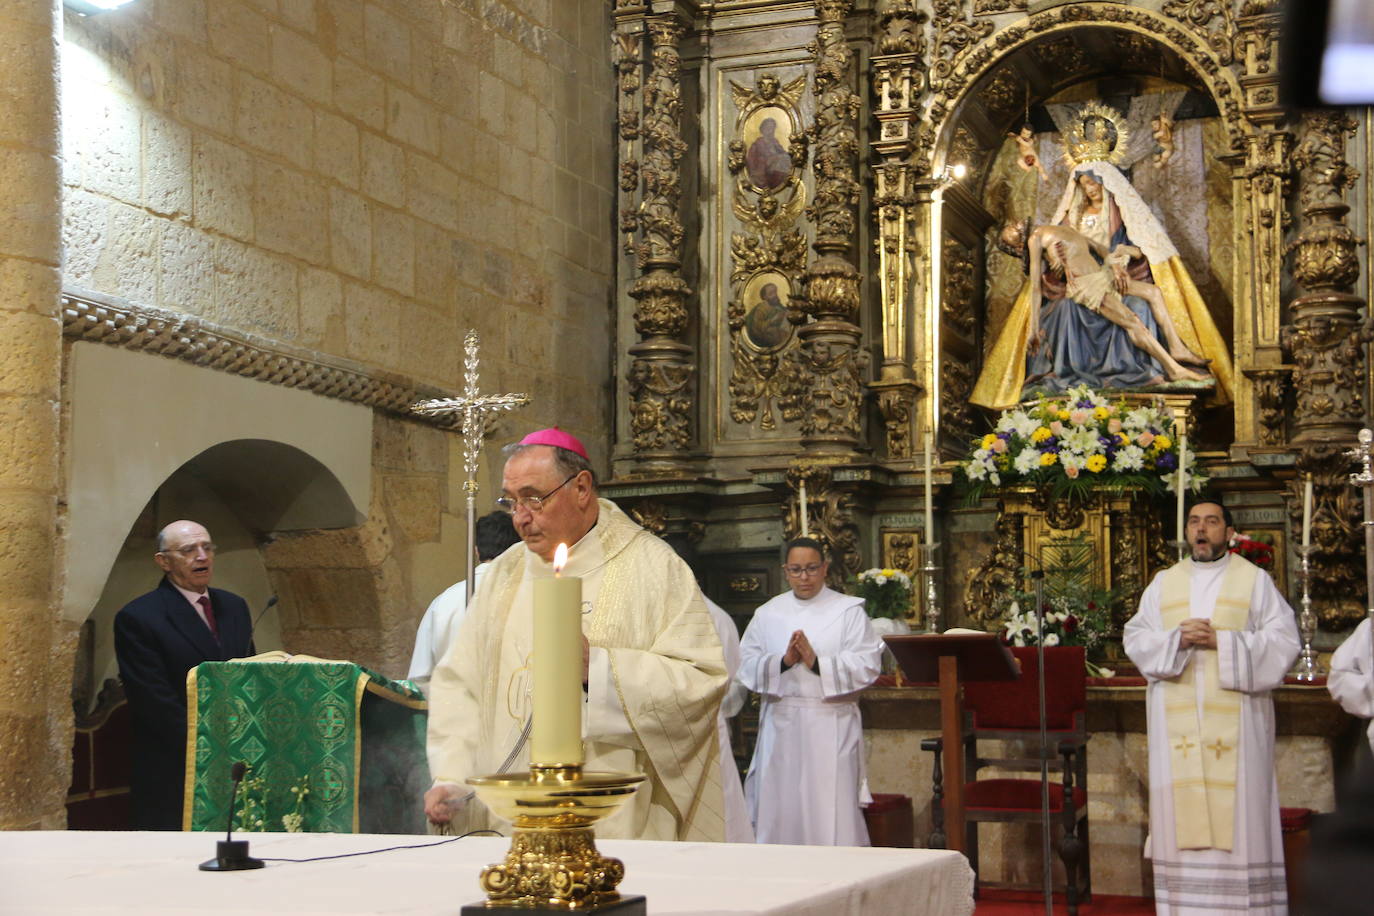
(1111, 252)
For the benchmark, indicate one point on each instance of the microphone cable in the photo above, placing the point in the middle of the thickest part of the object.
(372, 852)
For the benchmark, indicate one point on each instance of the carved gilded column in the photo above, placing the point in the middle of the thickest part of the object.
(662, 366)
(898, 73)
(830, 342)
(1326, 339)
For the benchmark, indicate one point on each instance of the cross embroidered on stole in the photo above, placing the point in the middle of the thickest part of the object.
(1204, 785)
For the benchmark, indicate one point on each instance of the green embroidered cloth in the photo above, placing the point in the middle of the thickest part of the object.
(355, 739)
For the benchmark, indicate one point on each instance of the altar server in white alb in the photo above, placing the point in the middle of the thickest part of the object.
(1351, 680)
(808, 652)
(1213, 637)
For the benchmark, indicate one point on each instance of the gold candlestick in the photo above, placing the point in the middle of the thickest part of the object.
(553, 864)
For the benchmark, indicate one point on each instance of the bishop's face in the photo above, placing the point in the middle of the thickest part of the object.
(805, 571)
(1208, 532)
(566, 505)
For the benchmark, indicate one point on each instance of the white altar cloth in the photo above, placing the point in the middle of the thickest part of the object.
(53, 872)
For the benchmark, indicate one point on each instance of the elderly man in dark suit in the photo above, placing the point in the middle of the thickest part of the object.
(159, 637)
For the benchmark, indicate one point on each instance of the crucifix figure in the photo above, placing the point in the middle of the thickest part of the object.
(473, 409)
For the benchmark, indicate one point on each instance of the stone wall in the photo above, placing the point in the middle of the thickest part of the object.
(35, 715)
(361, 179)
(366, 179)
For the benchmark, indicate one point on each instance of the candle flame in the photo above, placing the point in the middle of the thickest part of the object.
(560, 559)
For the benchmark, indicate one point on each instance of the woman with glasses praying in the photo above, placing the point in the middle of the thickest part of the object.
(807, 653)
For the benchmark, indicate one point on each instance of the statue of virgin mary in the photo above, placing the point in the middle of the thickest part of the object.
(1080, 346)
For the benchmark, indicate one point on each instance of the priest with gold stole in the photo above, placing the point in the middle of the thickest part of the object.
(653, 669)
(1213, 637)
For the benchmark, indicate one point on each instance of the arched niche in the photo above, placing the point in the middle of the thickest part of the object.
(272, 459)
(1023, 74)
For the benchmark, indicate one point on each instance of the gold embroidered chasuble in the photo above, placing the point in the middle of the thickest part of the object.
(1203, 747)
(657, 675)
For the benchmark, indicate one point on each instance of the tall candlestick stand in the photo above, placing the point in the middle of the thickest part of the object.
(1363, 452)
(928, 571)
(1308, 669)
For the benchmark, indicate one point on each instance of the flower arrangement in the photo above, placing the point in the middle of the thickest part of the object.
(1065, 624)
(1079, 441)
(1076, 611)
(1256, 551)
(886, 592)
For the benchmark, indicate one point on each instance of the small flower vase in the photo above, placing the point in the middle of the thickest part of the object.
(889, 626)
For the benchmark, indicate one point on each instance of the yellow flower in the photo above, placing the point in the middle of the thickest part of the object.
(1048, 458)
(1123, 439)
(1162, 443)
(1063, 414)
(1100, 413)
(988, 440)
(1096, 463)
(1041, 434)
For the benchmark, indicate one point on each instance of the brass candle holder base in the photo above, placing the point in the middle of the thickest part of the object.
(553, 864)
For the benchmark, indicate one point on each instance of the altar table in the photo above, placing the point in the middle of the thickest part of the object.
(86, 872)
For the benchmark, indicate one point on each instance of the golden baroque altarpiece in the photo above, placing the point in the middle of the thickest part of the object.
(808, 292)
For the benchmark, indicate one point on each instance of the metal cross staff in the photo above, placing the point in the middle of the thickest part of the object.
(473, 408)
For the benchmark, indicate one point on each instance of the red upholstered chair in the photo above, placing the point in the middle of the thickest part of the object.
(1009, 712)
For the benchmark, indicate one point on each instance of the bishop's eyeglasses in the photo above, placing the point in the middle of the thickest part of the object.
(797, 572)
(532, 503)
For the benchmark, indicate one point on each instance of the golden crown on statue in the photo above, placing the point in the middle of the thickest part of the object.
(1098, 134)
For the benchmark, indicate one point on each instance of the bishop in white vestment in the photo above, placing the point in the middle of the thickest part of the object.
(653, 667)
(1213, 637)
(808, 652)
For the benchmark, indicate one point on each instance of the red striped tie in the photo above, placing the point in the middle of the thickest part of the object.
(204, 601)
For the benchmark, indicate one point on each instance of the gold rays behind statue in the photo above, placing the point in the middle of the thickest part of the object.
(1098, 134)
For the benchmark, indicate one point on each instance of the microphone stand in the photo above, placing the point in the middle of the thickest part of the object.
(231, 854)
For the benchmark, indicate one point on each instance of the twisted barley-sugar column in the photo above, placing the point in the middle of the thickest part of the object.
(35, 679)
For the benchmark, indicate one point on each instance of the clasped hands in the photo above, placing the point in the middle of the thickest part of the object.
(1197, 632)
(799, 650)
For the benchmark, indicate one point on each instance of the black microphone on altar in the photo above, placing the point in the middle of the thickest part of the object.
(231, 854)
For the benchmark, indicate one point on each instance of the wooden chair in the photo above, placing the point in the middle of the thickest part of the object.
(1009, 712)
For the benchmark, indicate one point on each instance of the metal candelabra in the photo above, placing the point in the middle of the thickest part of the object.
(1308, 669)
(928, 570)
(1364, 454)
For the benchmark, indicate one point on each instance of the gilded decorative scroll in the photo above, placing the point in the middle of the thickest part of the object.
(830, 342)
(662, 367)
(1271, 399)
(830, 518)
(768, 254)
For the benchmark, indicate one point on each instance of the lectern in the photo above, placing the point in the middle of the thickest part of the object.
(952, 660)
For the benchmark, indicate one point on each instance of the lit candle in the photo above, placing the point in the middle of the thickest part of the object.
(801, 507)
(1307, 512)
(556, 733)
(1182, 491)
(930, 508)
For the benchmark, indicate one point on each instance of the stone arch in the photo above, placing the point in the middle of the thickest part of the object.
(958, 79)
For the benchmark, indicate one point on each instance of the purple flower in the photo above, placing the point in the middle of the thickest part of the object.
(1166, 461)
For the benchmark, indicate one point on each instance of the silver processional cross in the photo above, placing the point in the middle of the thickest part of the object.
(473, 408)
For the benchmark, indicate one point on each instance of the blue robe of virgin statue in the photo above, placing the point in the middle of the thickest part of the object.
(1081, 346)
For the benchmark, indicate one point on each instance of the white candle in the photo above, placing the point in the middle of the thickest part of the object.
(1307, 512)
(801, 507)
(1182, 497)
(556, 732)
(930, 508)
